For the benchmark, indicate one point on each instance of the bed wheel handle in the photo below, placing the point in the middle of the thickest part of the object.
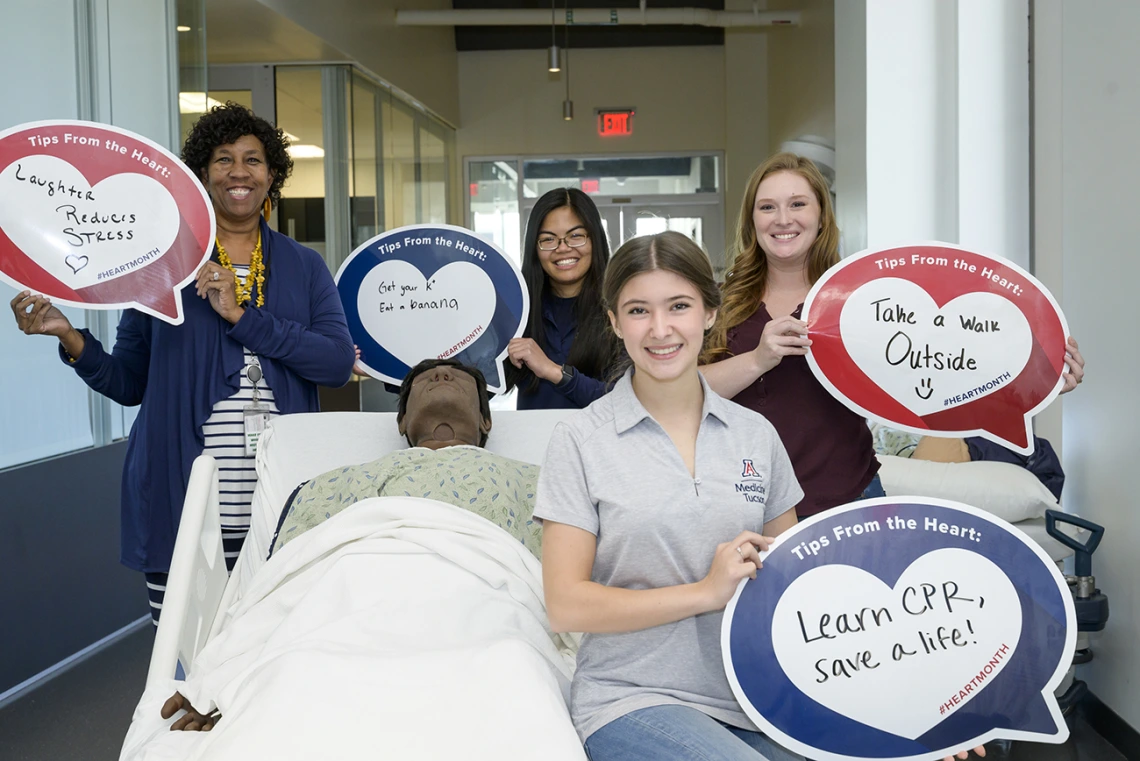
(1084, 551)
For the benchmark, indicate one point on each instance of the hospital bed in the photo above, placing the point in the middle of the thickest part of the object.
(200, 597)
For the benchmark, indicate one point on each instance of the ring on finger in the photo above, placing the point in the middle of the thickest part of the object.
(216, 275)
(740, 552)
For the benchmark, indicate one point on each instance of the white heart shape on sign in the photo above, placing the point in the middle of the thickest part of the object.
(889, 327)
(839, 619)
(416, 318)
(132, 221)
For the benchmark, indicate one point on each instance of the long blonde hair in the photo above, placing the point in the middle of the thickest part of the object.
(747, 277)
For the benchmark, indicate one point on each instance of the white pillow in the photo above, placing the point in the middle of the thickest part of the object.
(1007, 491)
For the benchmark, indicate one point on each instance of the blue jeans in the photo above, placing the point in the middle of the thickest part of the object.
(679, 733)
(874, 489)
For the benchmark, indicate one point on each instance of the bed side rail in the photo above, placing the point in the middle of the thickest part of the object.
(197, 578)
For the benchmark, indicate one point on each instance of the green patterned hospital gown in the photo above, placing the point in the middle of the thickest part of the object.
(495, 487)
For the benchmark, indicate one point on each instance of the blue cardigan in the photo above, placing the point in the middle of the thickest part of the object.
(178, 372)
(560, 325)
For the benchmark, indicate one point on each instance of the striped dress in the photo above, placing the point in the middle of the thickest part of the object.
(224, 432)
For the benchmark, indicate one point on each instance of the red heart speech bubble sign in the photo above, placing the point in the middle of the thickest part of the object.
(938, 340)
(97, 217)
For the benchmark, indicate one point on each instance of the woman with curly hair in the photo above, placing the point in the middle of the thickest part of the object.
(266, 327)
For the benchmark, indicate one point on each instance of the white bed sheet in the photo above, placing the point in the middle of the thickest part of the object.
(298, 447)
(326, 657)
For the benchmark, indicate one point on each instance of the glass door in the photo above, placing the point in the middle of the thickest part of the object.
(701, 222)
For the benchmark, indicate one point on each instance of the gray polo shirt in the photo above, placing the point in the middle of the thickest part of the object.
(613, 471)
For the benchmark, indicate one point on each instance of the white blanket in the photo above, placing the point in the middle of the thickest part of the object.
(401, 628)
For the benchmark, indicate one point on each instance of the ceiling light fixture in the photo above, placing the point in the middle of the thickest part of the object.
(306, 151)
(553, 63)
(191, 102)
(567, 105)
(182, 28)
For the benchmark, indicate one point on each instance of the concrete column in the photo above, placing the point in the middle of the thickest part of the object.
(932, 123)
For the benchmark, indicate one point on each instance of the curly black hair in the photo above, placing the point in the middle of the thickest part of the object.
(225, 124)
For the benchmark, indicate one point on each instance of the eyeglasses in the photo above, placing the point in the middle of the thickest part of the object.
(575, 239)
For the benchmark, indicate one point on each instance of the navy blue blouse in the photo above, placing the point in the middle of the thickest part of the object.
(561, 324)
(177, 372)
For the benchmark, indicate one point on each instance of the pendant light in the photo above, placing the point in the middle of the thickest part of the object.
(553, 64)
(567, 105)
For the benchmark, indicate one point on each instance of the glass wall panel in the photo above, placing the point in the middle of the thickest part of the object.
(192, 80)
(46, 409)
(493, 195)
(650, 175)
(364, 175)
(399, 135)
(433, 176)
(302, 212)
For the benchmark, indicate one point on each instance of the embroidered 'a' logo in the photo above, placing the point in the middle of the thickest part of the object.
(749, 470)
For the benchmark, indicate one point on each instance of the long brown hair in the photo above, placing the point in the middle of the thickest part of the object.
(747, 277)
(669, 251)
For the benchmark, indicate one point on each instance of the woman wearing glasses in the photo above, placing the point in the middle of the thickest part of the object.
(564, 357)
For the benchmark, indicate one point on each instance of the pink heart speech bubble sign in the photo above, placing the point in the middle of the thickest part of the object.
(938, 340)
(97, 217)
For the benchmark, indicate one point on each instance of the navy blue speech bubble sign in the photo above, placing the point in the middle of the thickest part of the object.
(432, 327)
(1016, 703)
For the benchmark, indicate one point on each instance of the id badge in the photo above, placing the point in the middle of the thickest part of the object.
(255, 417)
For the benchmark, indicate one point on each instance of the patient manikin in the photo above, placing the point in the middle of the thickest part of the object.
(443, 405)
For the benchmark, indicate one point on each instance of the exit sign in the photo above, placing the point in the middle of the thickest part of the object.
(613, 122)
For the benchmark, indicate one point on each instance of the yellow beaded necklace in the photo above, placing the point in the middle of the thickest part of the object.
(244, 291)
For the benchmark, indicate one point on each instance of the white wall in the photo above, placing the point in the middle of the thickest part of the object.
(510, 104)
(801, 73)
(932, 125)
(1087, 124)
(421, 61)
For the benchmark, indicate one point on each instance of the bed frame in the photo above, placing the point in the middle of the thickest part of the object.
(294, 449)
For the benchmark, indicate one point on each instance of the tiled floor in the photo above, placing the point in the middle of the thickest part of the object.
(83, 714)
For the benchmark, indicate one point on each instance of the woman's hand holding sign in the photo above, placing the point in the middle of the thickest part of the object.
(216, 283)
(36, 315)
(1074, 366)
(524, 351)
(732, 562)
(782, 337)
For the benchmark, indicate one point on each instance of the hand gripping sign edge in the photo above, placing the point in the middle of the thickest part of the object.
(482, 344)
(1004, 415)
(791, 717)
(160, 280)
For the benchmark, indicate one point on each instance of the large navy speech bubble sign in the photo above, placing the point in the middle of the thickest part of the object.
(432, 291)
(901, 628)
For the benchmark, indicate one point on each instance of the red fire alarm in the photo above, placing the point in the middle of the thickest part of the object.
(615, 122)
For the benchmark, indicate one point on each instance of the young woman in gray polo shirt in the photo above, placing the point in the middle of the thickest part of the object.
(656, 501)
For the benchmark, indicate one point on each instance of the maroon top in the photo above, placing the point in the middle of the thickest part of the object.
(829, 445)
